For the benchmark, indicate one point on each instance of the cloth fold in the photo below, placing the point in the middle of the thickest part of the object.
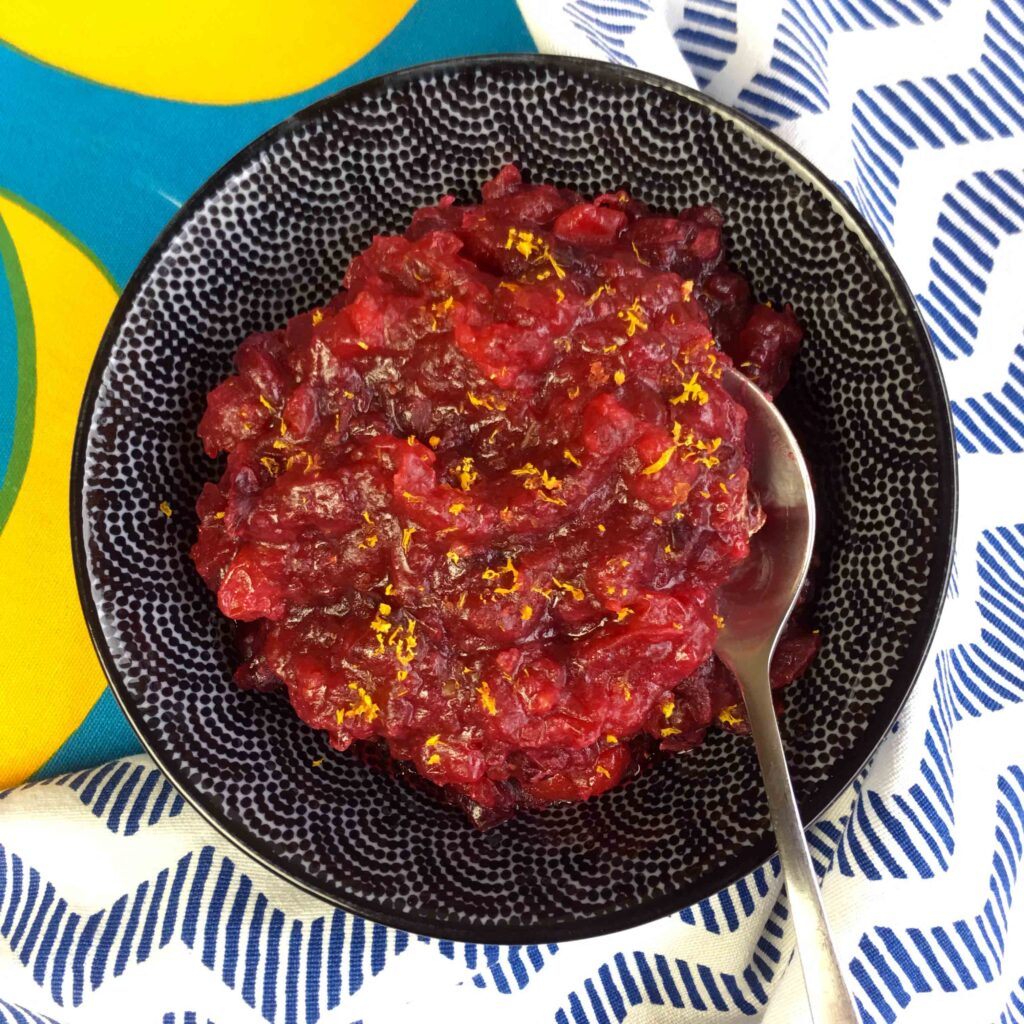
(117, 902)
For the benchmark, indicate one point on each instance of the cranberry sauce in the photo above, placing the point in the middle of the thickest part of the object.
(478, 505)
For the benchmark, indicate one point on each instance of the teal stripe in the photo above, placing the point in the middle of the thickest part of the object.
(103, 735)
(125, 149)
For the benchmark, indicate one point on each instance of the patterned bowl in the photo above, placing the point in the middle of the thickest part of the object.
(270, 235)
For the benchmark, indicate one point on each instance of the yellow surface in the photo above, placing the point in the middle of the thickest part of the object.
(202, 51)
(50, 672)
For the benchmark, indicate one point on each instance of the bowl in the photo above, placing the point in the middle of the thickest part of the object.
(271, 234)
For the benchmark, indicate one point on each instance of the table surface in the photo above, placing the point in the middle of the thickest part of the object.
(110, 117)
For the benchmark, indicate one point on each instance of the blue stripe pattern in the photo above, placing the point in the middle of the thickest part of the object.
(284, 968)
(506, 968)
(975, 217)
(891, 965)
(636, 978)
(125, 796)
(890, 120)
(994, 421)
(13, 1013)
(707, 37)
(607, 23)
(213, 909)
(796, 81)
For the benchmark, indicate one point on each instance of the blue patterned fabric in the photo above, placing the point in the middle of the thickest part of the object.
(118, 903)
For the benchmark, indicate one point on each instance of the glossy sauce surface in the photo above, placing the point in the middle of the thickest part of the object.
(477, 507)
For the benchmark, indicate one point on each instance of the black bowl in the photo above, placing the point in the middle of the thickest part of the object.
(270, 235)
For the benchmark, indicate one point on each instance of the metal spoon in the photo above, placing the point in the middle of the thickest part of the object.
(755, 605)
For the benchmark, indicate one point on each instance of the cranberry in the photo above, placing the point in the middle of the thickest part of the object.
(765, 346)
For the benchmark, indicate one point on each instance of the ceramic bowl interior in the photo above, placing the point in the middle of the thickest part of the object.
(270, 235)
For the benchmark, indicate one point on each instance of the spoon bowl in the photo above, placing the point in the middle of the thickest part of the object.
(758, 599)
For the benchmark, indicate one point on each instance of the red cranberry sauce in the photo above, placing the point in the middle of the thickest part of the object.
(478, 505)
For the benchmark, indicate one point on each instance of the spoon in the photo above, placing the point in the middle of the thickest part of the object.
(755, 604)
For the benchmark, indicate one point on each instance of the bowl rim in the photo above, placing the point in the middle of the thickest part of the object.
(847, 768)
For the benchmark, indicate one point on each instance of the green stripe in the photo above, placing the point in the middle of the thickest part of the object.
(65, 234)
(25, 403)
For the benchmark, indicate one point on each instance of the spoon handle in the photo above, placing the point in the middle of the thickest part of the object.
(829, 998)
